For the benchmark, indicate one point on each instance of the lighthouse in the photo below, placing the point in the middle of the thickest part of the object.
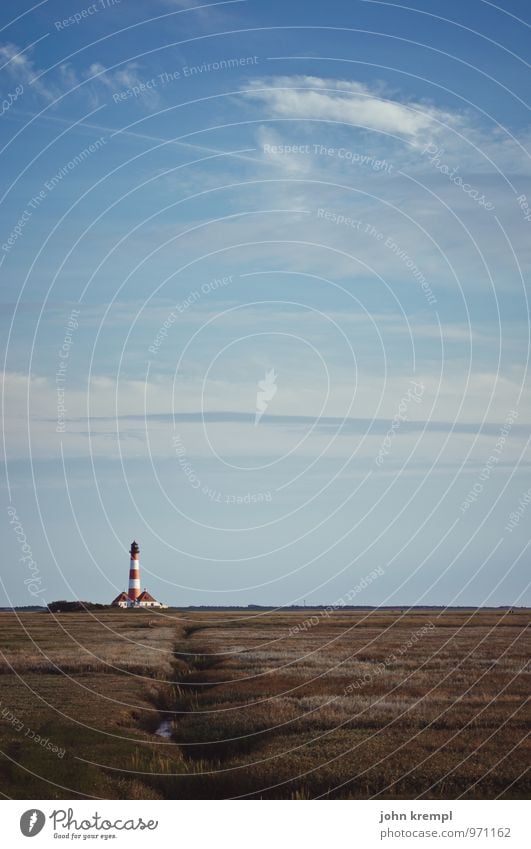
(135, 597)
(134, 573)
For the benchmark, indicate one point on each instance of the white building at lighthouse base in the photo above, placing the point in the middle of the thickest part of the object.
(145, 599)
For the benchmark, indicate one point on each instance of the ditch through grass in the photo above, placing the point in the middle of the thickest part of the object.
(260, 708)
(254, 712)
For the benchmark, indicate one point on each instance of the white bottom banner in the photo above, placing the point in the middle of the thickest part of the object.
(267, 824)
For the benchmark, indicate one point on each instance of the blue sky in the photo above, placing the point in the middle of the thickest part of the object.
(264, 296)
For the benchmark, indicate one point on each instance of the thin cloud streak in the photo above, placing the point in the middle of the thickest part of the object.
(323, 424)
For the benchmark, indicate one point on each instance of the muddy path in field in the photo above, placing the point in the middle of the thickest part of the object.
(205, 737)
(201, 712)
(196, 673)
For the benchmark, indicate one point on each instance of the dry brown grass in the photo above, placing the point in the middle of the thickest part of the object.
(292, 712)
(353, 706)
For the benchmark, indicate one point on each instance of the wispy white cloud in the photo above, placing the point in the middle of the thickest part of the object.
(400, 127)
(140, 413)
(347, 102)
(18, 65)
(124, 79)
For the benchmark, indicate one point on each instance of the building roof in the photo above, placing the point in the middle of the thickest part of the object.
(145, 596)
(121, 597)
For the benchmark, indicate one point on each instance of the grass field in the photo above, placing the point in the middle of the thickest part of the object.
(293, 705)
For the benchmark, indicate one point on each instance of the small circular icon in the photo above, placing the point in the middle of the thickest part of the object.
(32, 822)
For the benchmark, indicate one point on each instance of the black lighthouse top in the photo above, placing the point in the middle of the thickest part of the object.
(134, 548)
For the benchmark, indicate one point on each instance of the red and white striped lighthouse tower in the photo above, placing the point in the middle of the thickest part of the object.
(134, 573)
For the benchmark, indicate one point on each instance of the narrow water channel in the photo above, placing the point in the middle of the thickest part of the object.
(165, 729)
